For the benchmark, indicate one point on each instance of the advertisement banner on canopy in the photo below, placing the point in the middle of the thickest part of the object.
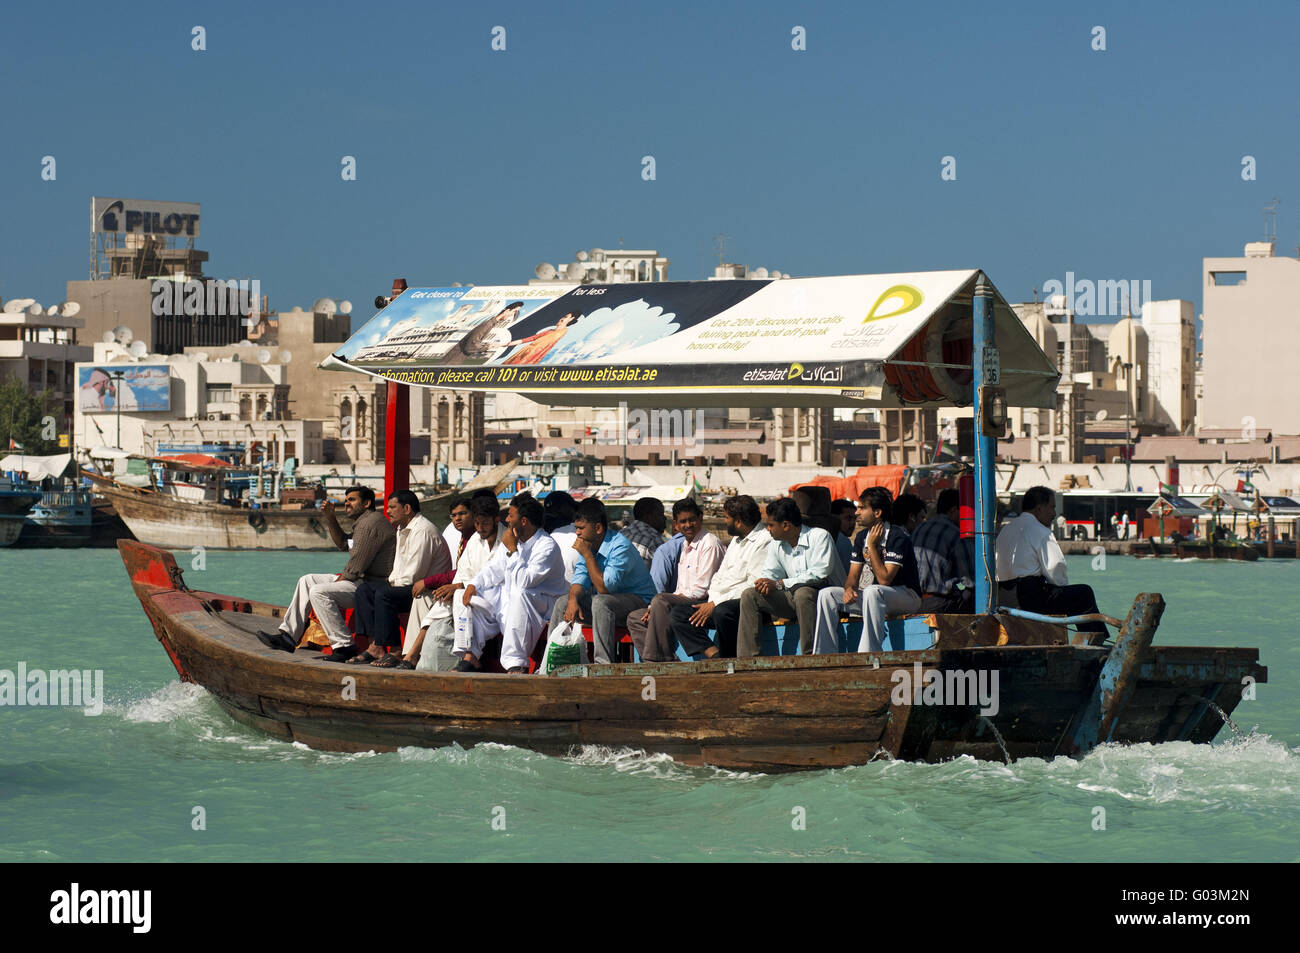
(830, 337)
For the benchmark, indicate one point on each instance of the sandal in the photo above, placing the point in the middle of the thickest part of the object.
(364, 658)
(389, 660)
(406, 664)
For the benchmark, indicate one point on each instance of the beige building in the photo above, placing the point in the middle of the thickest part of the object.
(42, 350)
(1250, 351)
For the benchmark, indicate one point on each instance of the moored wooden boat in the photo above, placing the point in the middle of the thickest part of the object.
(1196, 549)
(766, 714)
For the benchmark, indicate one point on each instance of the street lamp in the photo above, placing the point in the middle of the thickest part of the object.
(117, 402)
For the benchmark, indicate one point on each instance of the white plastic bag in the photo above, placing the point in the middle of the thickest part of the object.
(566, 645)
(464, 625)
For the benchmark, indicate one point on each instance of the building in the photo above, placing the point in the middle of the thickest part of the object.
(40, 348)
(1250, 352)
(1171, 363)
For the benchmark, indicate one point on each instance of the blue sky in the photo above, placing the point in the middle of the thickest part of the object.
(475, 165)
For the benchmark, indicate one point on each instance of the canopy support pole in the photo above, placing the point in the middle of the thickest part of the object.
(985, 449)
(397, 441)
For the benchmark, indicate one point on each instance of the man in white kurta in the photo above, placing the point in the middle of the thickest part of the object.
(513, 595)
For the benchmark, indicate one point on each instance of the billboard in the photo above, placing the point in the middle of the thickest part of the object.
(131, 388)
(144, 217)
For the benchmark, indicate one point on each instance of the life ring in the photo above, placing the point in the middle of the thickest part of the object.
(257, 521)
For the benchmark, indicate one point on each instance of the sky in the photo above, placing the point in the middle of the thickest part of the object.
(474, 165)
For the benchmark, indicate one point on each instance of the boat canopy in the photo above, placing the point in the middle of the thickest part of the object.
(895, 340)
(36, 468)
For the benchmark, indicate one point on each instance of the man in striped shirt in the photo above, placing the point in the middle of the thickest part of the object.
(947, 572)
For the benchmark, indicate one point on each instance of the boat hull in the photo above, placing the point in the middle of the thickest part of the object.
(766, 714)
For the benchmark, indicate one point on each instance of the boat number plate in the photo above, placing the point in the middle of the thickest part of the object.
(992, 365)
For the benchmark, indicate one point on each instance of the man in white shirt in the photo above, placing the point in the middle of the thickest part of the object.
(434, 610)
(702, 554)
(1030, 563)
(801, 561)
(515, 592)
(455, 533)
(742, 566)
(421, 551)
(559, 508)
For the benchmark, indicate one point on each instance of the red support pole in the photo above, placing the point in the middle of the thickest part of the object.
(397, 441)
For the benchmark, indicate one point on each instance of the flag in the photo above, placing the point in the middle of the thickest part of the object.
(15, 445)
(698, 484)
(1169, 488)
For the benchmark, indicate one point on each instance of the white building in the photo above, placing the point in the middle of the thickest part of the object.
(1171, 363)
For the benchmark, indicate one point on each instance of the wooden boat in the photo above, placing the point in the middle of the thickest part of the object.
(173, 522)
(16, 500)
(767, 714)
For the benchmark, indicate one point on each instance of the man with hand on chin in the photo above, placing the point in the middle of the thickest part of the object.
(883, 552)
(514, 593)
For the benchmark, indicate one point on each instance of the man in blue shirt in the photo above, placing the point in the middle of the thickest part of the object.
(800, 561)
(663, 565)
(884, 567)
(609, 581)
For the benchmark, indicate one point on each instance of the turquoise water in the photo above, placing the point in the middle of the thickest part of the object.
(124, 786)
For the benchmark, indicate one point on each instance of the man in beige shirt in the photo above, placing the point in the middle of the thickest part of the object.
(374, 544)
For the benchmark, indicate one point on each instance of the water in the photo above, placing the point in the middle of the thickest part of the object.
(126, 785)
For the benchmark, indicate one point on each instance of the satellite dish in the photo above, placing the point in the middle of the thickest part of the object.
(1101, 415)
(35, 309)
(138, 349)
(263, 355)
(200, 356)
(123, 335)
(345, 307)
(245, 343)
(325, 306)
(759, 273)
(285, 357)
(581, 256)
(573, 271)
(109, 337)
(775, 274)
(70, 308)
(544, 271)
(52, 311)
(13, 307)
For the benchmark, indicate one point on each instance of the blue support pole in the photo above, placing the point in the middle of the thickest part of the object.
(985, 450)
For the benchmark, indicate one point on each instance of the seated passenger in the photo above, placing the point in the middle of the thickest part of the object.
(374, 542)
(801, 561)
(421, 550)
(884, 561)
(433, 610)
(908, 512)
(742, 566)
(1030, 563)
(663, 566)
(458, 532)
(514, 593)
(702, 553)
(645, 530)
(943, 559)
(558, 508)
(610, 581)
(846, 511)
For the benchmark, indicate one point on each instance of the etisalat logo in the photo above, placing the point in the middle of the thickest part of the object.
(76, 907)
(894, 301)
(818, 374)
(61, 687)
(952, 687)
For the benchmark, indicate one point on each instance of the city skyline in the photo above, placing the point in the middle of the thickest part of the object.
(473, 163)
